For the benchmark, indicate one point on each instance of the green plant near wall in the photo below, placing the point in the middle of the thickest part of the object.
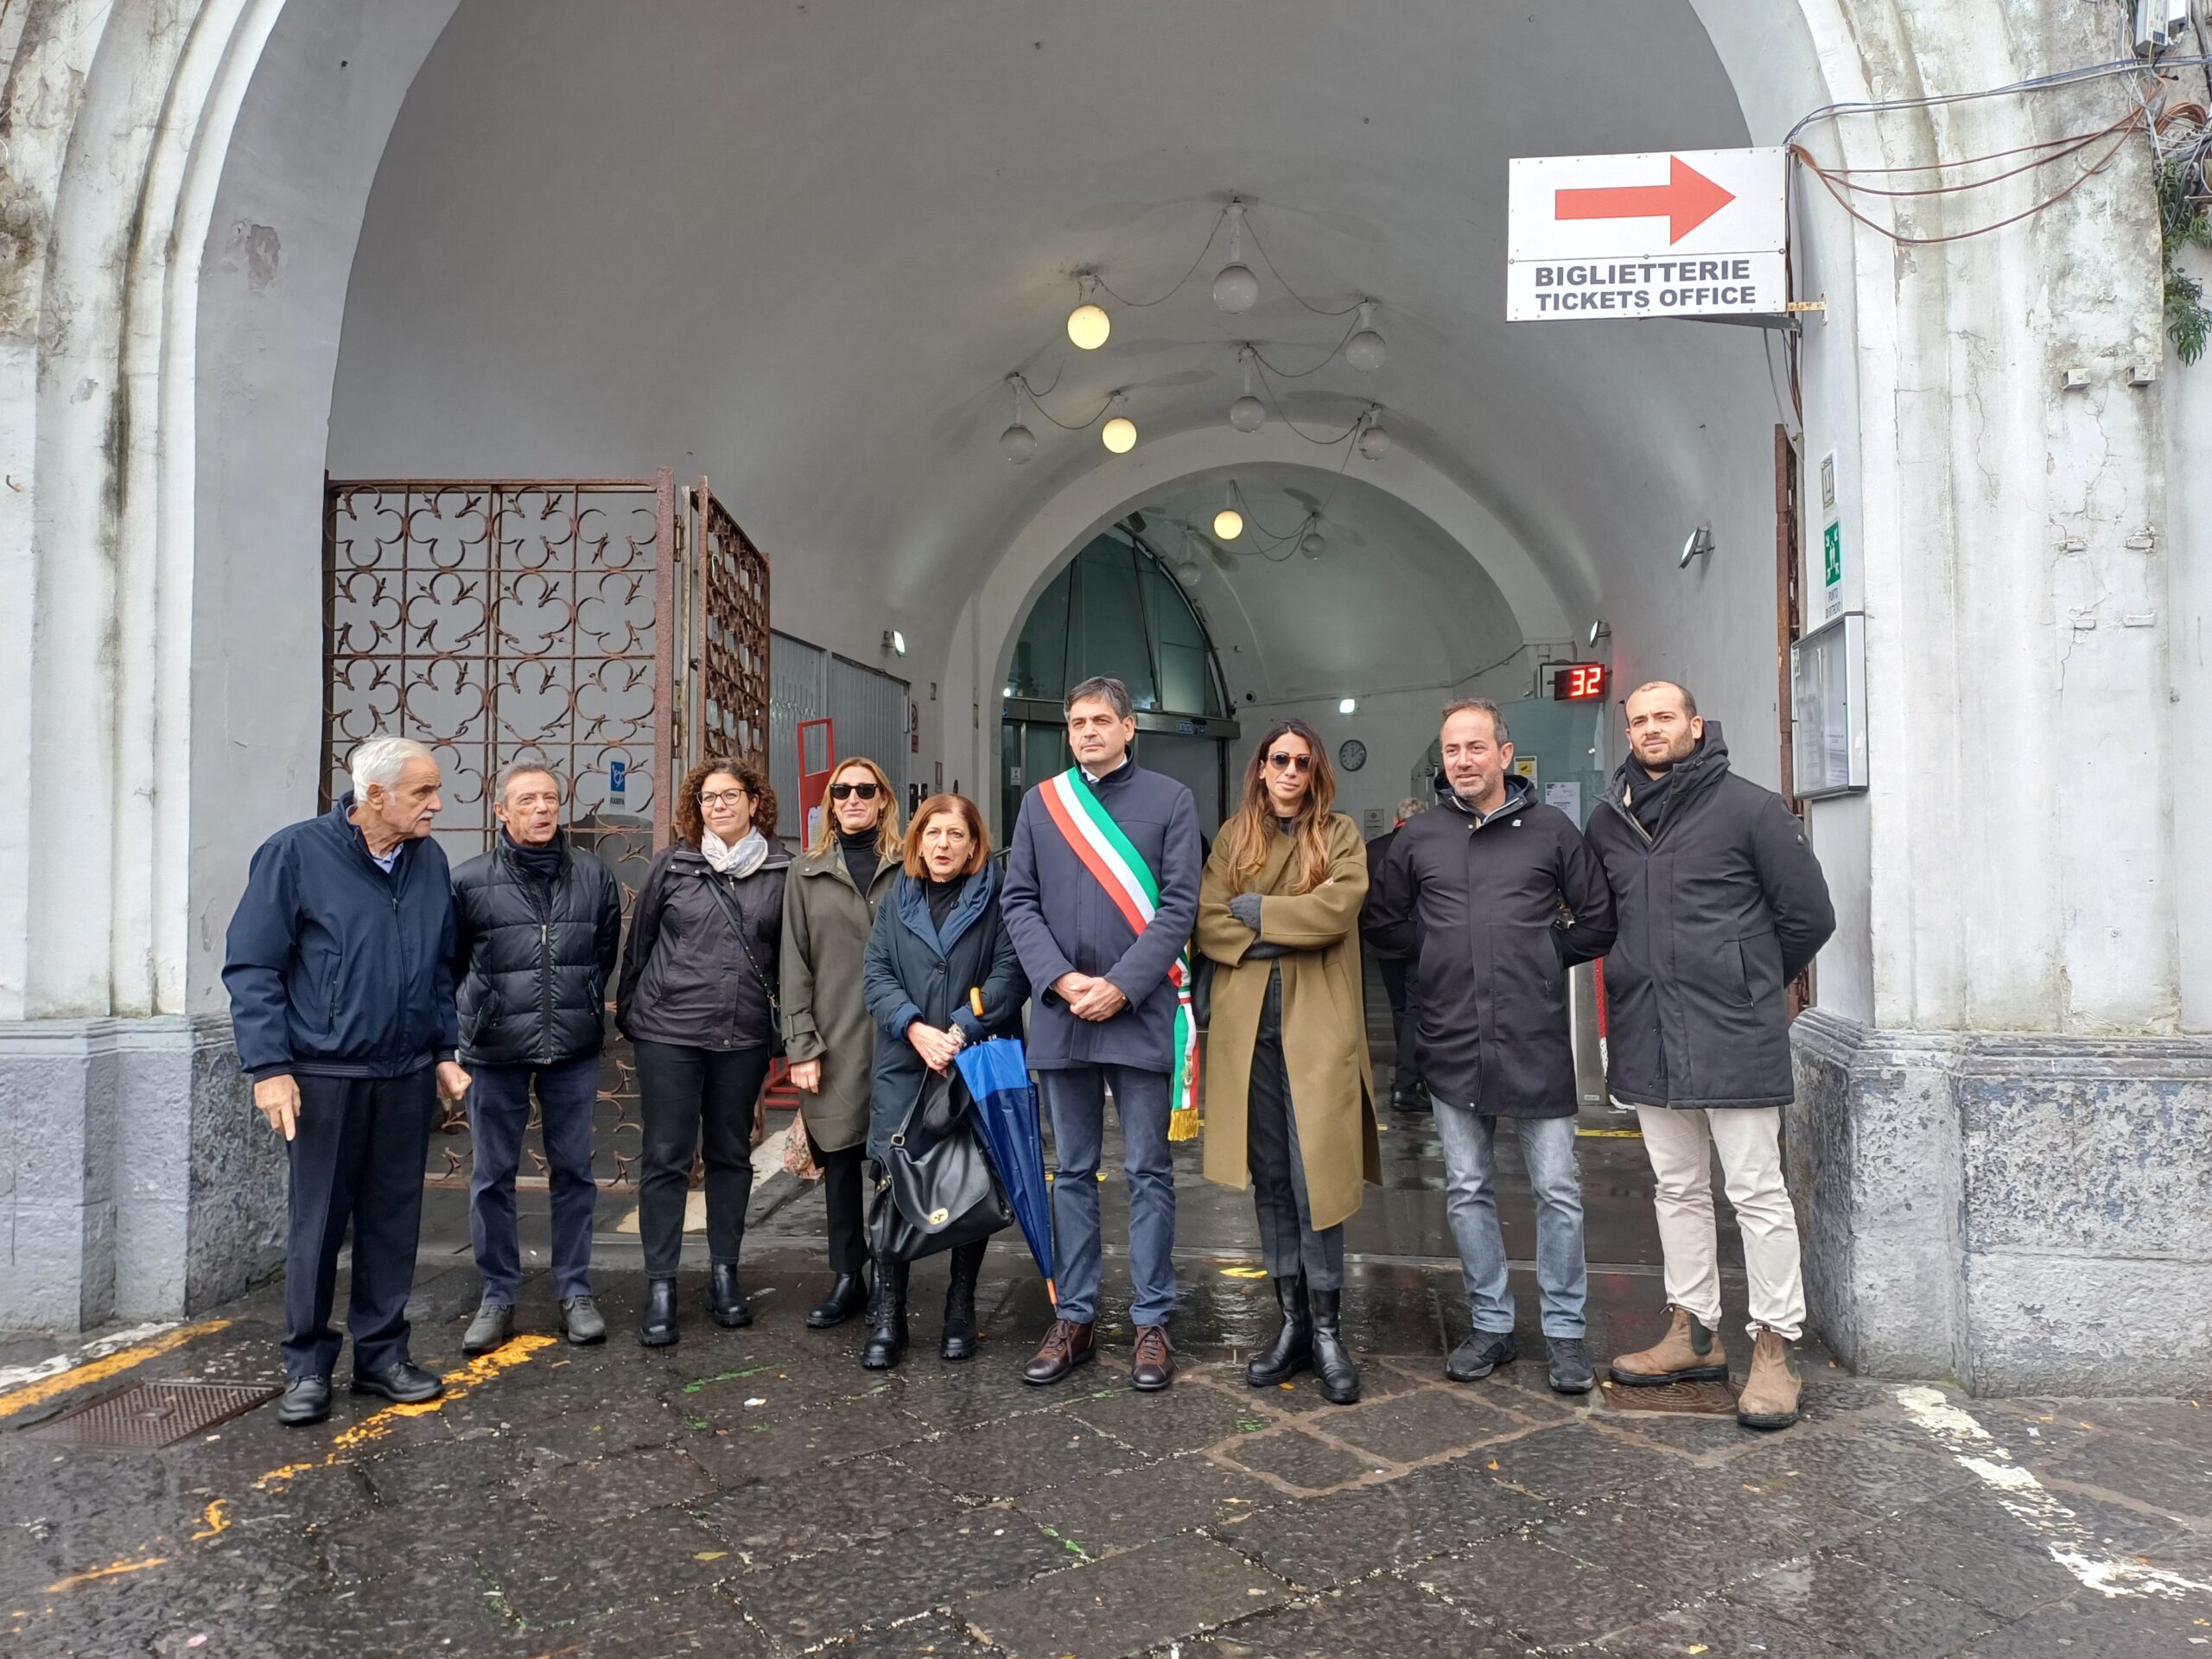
(2184, 222)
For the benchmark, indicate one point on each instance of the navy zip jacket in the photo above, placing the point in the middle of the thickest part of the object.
(1061, 921)
(335, 969)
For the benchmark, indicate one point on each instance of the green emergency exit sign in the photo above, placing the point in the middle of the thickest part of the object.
(1832, 566)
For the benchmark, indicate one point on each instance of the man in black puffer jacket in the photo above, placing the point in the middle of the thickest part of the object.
(1720, 904)
(537, 924)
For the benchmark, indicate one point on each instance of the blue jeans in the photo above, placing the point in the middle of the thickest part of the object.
(499, 1112)
(1471, 1205)
(1075, 1099)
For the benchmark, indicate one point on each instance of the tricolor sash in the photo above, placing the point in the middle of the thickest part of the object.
(1111, 857)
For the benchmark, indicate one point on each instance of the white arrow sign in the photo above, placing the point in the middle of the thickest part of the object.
(1669, 234)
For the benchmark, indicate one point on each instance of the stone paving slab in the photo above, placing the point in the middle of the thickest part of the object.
(758, 1495)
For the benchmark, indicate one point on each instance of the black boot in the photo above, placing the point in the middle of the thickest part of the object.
(732, 1312)
(1332, 1363)
(960, 1302)
(886, 1337)
(847, 1297)
(657, 1328)
(1292, 1349)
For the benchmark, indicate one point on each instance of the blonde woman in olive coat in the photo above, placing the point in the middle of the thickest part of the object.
(830, 905)
(1290, 1095)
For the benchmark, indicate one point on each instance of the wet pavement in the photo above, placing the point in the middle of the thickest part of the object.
(756, 1493)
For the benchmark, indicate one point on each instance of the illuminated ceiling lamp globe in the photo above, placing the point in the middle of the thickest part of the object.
(1227, 525)
(1119, 435)
(1087, 327)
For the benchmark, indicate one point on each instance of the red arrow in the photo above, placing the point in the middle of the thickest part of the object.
(1686, 201)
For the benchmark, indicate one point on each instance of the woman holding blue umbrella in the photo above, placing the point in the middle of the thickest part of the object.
(940, 974)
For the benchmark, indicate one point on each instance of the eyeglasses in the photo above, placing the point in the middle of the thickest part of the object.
(839, 791)
(721, 797)
(1283, 761)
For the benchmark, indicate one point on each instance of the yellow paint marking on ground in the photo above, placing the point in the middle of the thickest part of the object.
(113, 1570)
(99, 1371)
(217, 1520)
(1612, 1135)
(458, 1385)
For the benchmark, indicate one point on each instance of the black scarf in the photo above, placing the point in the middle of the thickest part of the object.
(1647, 796)
(543, 863)
(862, 860)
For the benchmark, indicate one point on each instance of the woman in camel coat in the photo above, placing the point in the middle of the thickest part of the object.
(1290, 1095)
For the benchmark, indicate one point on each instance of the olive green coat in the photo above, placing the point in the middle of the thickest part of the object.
(826, 924)
(1324, 1019)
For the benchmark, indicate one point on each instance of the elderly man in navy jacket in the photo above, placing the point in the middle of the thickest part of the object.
(1101, 889)
(338, 964)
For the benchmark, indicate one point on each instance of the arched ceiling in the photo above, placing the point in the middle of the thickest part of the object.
(798, 247)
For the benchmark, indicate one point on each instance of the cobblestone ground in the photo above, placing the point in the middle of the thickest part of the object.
(756, 1493)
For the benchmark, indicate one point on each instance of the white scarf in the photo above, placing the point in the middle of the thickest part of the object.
(741, 860)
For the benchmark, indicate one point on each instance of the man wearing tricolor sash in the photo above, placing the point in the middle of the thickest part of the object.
(1102, 890)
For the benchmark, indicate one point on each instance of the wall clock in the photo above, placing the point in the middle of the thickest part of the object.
(1353, 755)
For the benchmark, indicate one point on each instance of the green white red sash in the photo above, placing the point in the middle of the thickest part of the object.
(1111, 857)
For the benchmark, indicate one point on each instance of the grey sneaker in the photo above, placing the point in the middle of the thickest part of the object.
(1481, 1354)
(494, 1324)
(1571, 1371)
(581, 1322)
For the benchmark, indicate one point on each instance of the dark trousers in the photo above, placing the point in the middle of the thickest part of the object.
(1074, 1099)
(358, 1156)
(695, 1100)
(499, 1112)
(841, 1191)
(1287, 1237)
(1400, 986)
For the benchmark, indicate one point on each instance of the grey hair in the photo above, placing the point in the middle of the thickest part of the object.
(1689, 703)
(1480, 706)
(381, 760)
(1109, 690)
(524, 769)
(1410, 806)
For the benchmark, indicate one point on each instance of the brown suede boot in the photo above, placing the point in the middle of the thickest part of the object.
(1770, 1397)
(1686, 1353)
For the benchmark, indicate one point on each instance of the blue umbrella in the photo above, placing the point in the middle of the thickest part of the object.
(997, 1075)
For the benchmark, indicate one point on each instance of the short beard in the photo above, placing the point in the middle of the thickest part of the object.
(1672, 759)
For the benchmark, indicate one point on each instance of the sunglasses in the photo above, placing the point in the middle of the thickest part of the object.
(839, 791)
(1283, 761)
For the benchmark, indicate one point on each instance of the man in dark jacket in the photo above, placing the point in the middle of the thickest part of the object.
(1102, 890)
(1400, 983)
(1502, 897)
(1721, 904)
(537, 924)
(338, 964)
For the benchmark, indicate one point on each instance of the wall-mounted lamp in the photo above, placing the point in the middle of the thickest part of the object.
(894, 643)
(1348, 705)
(1699, 544)
(1600, 629)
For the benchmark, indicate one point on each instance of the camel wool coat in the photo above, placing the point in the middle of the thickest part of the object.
(1324, 1019)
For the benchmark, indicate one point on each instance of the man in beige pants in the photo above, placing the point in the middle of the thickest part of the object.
(1720, 903)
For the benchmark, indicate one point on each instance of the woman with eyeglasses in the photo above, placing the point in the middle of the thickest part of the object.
(698, 1001)
(1290, 1096)
(829, 906)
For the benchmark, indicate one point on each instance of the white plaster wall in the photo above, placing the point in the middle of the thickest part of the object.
(2187, 554)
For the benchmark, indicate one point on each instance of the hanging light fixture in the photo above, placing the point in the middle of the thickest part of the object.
(1312, 546)
(1017, 443)
(1248, 413)
(1088, 324)
(1365, 350)
(1187, 572)
(1119, 434)
(1229, 523)
(1236, 288)
(1374, 441)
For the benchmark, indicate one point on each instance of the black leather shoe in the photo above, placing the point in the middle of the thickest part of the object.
(1292, 1351)
(1333, 1361)
(307, 1400)
(886, 1337)
(410, 1385)
(847, 1297)
(731, 1311)
(657, 1328)
(1481, 1354)
(959, 1339)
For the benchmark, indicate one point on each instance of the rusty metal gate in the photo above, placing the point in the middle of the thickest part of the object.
(580, 623)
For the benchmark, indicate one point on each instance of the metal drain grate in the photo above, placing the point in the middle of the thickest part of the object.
(1677, 1399)
(155, 1414)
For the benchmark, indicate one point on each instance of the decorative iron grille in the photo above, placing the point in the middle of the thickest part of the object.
(730, 709)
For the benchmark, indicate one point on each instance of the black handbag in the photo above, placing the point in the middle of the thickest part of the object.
(736, 921)
(938, 1194)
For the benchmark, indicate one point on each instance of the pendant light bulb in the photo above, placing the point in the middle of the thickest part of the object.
(1229, 523)
(1236, 289)
(1119, 434)
(1088, 324)
(1187, 574)
(1248, 413)
(1366, 349)
(1017, 443)
(1312, 545)
(1374, 442)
